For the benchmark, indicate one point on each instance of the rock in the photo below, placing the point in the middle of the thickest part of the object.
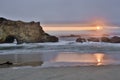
(48, 38)
(23, 32)
(105, 39)
(71, 35)
(115, 39)
(80, 40)
(94, 39)
(6, 63)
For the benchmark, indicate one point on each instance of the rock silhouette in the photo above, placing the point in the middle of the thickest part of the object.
(114, 39)
(23, 32)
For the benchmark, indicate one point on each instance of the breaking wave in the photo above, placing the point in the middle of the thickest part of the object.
(65, 46)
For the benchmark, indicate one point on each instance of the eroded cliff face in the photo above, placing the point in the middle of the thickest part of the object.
(23, 32)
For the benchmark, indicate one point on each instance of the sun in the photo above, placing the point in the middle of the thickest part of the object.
(98, 27)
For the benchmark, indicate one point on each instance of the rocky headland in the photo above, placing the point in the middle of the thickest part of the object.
(23, 32)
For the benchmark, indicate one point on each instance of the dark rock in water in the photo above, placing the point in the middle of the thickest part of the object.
(6, 64)
(51, 39)
(105, 39)
(71, 35)
(94, 39)
(115, 39)
(80, 40)
(23, 32)
(48, 38)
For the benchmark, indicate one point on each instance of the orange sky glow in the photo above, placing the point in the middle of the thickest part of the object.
(69, 27)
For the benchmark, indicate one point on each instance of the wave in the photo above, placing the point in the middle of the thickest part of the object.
(77, 52)
(68, 46)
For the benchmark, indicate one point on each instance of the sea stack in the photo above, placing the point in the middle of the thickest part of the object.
(23, 32)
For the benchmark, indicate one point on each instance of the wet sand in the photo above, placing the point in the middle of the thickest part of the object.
(27, 67)
(61, 73)
(20, 60)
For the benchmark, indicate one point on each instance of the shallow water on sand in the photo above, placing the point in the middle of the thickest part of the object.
(82, 59)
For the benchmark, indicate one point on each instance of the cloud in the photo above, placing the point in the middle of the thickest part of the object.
(60, 10)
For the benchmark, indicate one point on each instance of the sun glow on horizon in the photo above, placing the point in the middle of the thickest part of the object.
(70, 27)
(99, 27)
(96, 25)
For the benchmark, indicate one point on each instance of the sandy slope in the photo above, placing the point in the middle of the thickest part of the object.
(64, 73)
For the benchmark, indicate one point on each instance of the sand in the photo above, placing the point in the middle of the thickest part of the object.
(61, 73)
(34, 59)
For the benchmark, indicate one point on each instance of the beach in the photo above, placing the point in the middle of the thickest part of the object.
(61, 73)
(43, 61)
(13, 60)
(59, 40)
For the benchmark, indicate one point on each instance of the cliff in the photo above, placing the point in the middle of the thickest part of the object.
(23, 32)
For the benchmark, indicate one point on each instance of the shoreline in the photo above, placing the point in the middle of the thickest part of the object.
(62, 73)
(18, 60)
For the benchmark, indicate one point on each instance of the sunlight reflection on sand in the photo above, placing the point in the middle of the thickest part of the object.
(95, 59)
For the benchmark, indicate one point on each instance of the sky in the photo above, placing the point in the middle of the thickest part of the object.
(58, 11)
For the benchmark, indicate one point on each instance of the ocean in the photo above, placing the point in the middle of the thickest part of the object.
(63, 60)
(66, 52)
(66, 47)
